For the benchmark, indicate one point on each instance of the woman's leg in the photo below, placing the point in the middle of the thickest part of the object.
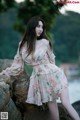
(53, 110)
(64, 96)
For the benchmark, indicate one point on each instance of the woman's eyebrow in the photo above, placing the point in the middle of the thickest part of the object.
(41, 25)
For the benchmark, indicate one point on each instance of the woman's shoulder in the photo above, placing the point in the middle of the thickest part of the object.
(46, 41)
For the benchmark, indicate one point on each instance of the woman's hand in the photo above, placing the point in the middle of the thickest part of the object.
(4, 77)
(1, 73)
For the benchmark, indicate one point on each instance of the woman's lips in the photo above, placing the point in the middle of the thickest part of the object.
(39, 33)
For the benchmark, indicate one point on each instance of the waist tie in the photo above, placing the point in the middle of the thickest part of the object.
(40, 63)
(29, 67)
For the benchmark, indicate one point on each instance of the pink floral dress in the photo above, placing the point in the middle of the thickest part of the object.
(47, 80)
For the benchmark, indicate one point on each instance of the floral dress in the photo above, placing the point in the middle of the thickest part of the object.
(47, 80)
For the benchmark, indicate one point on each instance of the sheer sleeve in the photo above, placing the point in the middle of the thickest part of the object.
(50, 54)
(17, 66)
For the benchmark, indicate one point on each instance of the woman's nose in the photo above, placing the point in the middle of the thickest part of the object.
(41, 29)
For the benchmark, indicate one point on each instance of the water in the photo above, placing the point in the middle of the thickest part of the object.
(74, 90)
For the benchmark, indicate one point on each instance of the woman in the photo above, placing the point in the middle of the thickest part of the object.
(47, 81)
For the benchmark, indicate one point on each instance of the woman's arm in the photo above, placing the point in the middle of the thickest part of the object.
(50, 54)
(16, 68)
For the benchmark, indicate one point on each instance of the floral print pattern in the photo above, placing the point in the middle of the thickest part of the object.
(47, 80)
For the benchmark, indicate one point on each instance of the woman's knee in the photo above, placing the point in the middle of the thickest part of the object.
(64, 103)
(64, 97)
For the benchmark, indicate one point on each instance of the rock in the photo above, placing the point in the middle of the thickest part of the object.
(7, 104)
(13, 112)
(76, 105)
(19, 90)
(4, 63)
(5, 78)
(5, 95)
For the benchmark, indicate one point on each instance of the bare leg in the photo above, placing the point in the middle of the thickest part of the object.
(53, 110)
(64, 96)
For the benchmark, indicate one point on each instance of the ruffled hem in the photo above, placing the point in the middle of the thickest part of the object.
(56, 96)
(46, 87)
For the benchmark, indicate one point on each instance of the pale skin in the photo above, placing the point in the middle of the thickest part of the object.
(64, 96)
(39, 29)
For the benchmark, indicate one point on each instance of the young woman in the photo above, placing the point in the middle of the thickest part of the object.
(47, 81)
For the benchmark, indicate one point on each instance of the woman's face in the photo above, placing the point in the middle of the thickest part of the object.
(39, 28)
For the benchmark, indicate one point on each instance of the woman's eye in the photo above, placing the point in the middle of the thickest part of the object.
(38, 26)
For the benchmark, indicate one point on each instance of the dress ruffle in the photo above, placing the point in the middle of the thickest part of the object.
(46, 87)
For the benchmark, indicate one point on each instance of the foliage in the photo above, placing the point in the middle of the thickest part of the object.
(9, 38)
(28, 8)
(6, 4)
(47, 9)
(67, 37)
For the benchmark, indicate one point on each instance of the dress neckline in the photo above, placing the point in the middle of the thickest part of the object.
(39, 40)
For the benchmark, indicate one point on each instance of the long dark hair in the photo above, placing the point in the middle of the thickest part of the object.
(30, 34)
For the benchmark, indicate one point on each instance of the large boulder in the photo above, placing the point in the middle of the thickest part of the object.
(4, 63)
(7, 104)
(76, 105)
